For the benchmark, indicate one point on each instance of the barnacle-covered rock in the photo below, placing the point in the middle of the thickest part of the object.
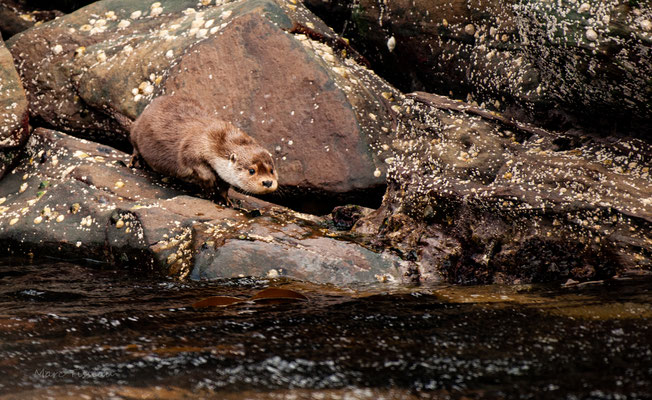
(14, 119)
(560, 63)
(269, 66)
(473, 197)
(594, 57)
(64, 199)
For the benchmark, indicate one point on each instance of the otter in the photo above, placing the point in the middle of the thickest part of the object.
(177, 136)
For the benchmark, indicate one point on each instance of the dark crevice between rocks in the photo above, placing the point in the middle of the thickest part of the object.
(65, 6)
(20, 15)
(319, 202)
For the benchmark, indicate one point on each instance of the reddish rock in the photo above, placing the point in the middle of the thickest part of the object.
(269, 66)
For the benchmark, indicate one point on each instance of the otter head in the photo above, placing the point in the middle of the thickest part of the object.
(240, 161)
(253, 173)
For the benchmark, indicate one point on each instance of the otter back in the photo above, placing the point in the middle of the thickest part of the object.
(177, 136)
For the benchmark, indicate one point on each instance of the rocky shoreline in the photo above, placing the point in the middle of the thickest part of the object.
(470, 195)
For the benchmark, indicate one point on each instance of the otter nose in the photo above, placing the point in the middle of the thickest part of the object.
(268, 183)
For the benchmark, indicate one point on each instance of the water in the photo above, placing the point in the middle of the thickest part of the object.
(69, 330)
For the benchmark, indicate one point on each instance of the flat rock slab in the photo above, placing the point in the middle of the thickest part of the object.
(269, 66)
(76, 199)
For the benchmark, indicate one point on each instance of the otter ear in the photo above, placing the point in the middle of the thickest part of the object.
(232, 158)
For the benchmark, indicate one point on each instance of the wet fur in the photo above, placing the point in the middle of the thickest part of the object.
(177, 136)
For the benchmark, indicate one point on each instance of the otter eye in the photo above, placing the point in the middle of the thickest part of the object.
(271, 171)
(252, 171)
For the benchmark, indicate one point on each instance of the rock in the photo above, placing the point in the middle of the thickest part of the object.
(345, 217)
(16, 16)
(14, 120)
(475, 198)
(564, 64)
(320, 112)
(470, 51)
(76, 199)
(595, 62)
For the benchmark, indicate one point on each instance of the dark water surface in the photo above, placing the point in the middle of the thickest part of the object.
(71, 331)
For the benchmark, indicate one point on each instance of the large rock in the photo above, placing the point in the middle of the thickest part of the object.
(475, 198)
(14, 119)
(563, 63)
(265, 65)
(76, 199)
(594, 58)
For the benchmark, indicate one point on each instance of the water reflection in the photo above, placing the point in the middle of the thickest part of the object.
(67, 330)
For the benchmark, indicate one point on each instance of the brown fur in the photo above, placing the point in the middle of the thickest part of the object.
(177, 136)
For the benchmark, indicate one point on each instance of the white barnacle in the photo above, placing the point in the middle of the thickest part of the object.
(156, 11)
(57, 49)
(101, 56)
(201, 33)
(469, 29)
(591, 35)
(391, 44)
(272, 273)
(646, 25)
(136, 14)
(169, 54)
(124, 23)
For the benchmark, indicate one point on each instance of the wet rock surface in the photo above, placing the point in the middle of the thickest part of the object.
(564, 64)
(14, 128)
(76, 199)
(473, 198)
(264, 65)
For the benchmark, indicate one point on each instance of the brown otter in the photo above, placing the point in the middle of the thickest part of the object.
(175, 135)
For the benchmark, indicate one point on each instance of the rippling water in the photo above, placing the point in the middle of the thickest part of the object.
(69, 330)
